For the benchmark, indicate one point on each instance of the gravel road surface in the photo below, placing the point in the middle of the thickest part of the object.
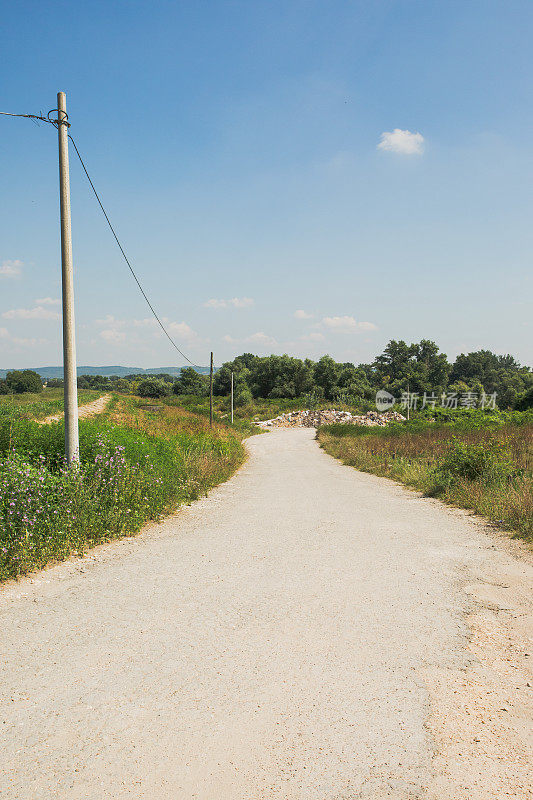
(306, 632)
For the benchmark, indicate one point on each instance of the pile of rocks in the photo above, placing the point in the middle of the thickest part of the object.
(313, 419)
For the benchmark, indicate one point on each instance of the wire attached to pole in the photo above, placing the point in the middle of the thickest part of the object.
(152, 309)
(64, 121)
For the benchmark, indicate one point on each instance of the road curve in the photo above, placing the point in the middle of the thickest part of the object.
(84, 412)
(307, 632)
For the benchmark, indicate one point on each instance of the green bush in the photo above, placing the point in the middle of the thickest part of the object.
(126, 477)
(488, 462)
(26, 380)
(152, 388)
(525, 401)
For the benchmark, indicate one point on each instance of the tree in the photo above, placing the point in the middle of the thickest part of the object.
(151, 387)
(26, 380)
(419, 366)
(242, 396)
(326, 375)
(525, 401)
(500, 374)
(191, 382)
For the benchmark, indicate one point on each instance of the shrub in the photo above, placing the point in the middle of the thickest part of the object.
(487, 462)
(191, 382)
(525, 401)
(26, 380)
(152, 388)
(243, 396)
(126, 476)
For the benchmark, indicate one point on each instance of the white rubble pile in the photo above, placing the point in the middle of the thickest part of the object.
(313, 419)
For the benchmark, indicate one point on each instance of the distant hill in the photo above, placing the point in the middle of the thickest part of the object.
(57, 372)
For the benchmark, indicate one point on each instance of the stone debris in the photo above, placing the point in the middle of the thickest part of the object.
(313, 419)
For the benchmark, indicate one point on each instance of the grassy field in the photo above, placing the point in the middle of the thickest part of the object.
(480, 463)
(49, 401)
(139, 460)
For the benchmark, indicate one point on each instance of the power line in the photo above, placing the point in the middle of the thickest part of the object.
(27, 116)
(54, 122)
(152, 309)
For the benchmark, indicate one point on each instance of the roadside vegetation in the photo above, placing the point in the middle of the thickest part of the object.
(138, 462)
(38, 405)
(475, 460)
(152, 447)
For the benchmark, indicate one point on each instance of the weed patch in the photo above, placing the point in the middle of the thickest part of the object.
(136, 465)
(482, 463)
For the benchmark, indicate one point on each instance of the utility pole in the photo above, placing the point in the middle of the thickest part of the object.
(211, 392)
(232, 398)
(408, 403)
(72, 445)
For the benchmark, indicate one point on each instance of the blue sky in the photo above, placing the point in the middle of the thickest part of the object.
(236, 146)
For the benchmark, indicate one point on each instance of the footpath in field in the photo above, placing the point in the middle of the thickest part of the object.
(84, 412)
(306, 632)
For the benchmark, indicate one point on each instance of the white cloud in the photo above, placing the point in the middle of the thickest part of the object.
(109, 320)
(117, 330)
(48, 301)
(300, 314)
(31, 313)
(147, 322)
(4, 334)
(256, 338)
(242, 302)
(182, 330)
(10, 269)
(261, 338)
(236, 302)
(405, 142)
(214, 303)
(313, 337)
(347, 323)
(113, 336)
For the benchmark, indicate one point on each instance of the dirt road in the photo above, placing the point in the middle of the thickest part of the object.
(306, 632)
(84, 412)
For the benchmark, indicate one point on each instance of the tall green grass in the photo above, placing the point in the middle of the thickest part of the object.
(46, 403)
(479, 462)
(126, 476)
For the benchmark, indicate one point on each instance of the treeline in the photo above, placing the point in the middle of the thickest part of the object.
(419, 368)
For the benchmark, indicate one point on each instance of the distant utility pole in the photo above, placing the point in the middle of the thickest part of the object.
(232, 398)
(408, 403)
(211, 392)
(72, 444)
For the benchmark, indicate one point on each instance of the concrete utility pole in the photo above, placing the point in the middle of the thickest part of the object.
(211, 392)
(232, 398)
(72, 444)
